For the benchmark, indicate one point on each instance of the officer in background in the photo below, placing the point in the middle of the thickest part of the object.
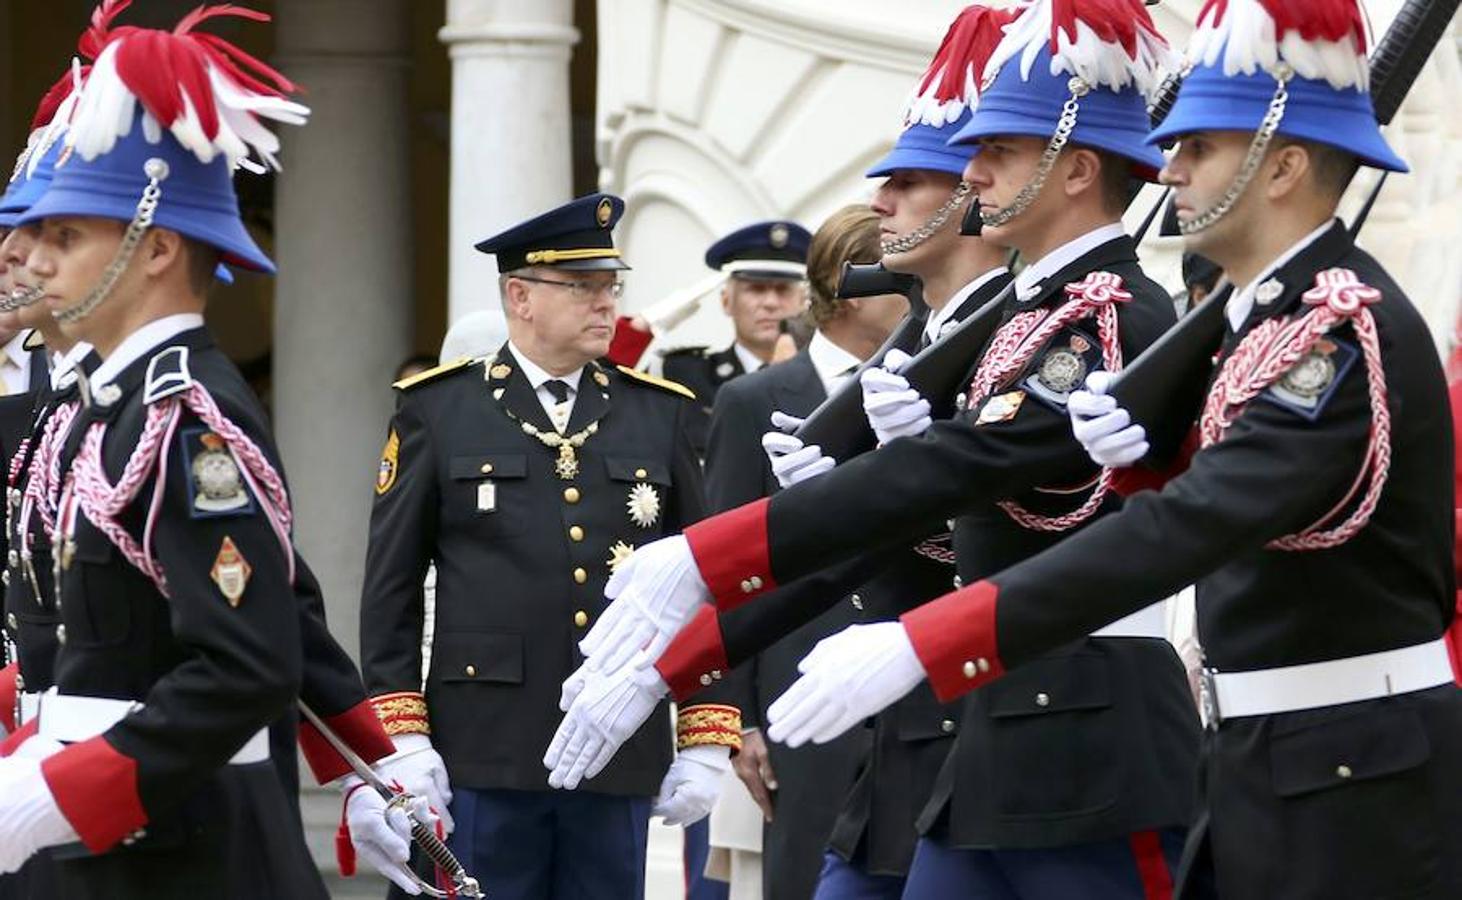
(527, 477)
(765, 268)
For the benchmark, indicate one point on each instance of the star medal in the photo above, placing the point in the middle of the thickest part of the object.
(567, 464)
(619, 554)
(643, 505)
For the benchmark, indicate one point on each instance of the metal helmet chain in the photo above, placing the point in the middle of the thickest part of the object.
(21, 297)
(1257, 147)
(157, 171)
(926, 231)
(1064, 126)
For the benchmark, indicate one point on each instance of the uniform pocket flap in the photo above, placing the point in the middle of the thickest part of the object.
(1067, 683)
(491, 657)
(488, 465)
(627, 468)
(1343, 751)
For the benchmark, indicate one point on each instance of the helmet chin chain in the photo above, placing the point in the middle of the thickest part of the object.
(1250, 166)
(157, 171)
(1064, 126)
(924, 232)
(21, 297)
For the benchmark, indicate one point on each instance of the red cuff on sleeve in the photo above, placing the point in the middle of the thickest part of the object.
(12, 743)
(732, 554)
(628, 343)
(696, 657)
(96, 788)
(1128, 481)
(955, 640)
(361, 730)
(8, 694)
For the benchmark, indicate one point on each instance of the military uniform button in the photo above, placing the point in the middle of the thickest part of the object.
(486, 468)
(471, 671)
(13, 558)
(20, 682)
(958, 582)
(857, 601)
(5, 578)
(61, 634)
(705, 680)
(746, 587)
(755, 583)
(947, 726)
(1043, 699)
(571, 495)
(12, 621)
(1343, 771)
(581, 618)
(576, 533)
(641, 474)
(580, 576)
(969, 668)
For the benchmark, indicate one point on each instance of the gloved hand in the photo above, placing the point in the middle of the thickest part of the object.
(30, 820)
(692, 785)
(601, 712)
(382, 836)
(856, 673)
(791, 460)
(653, 594)
(1102, 427)
(894, 409)
(419, 769)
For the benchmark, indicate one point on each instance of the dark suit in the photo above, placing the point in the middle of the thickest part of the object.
(704, 371)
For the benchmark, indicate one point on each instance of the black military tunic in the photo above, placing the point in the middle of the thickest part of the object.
(703, 371)
(1350, 801)
(523, 537)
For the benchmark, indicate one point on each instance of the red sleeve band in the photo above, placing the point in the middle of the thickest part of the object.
(8, 695)
(955, 640)
(96, 788)
(361, 730)
(732, 554)
(1131, 479)
(12, 743)
(695, 657)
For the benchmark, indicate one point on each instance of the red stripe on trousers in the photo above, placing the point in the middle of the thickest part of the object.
(1152, 865)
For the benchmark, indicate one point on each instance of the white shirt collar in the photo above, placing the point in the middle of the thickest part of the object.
(938, 318)
(1242, 302)
(750, 362)
(142, 341)
(831, 361)
(537, 375)
(63, 367)
(1063, 256)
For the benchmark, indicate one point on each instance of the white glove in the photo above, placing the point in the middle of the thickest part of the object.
(419, 769)
(653, 594)
(692, 785)
(856, 673)
(1102, 427)
(381, 836)
(30, 820)
(791, 460)
(894, 409)
(601, 712)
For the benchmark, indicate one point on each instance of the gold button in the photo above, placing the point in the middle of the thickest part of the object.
(580, 576)
(947, 726)
(715, 674)
(1343, 771)
(581, 618)
(983, 664)
(746, 587)
(471, 671)
(705, 680)
(958, 582)
(487, 468)
(969, 668)
(755, 583)
(576, 533)
(641, 473)
(1043, 699)
(571, 495)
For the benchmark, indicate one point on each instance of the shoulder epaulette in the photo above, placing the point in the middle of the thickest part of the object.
(167, 374)
(666, 384)
(421, 378)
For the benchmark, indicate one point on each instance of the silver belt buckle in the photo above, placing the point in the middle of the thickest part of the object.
(1208, 697)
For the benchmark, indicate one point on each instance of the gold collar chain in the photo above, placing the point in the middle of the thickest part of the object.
(567, 464)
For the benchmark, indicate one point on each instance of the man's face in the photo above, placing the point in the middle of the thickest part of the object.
(907, 200)
(997, 173)
(1200, 171)
(68, 259)
(758, 306)
(14, 251)
(576, 319)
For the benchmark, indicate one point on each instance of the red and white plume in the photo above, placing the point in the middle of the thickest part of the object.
(208, 93)
(1106, 43)
(1317, 38)
(952, 81)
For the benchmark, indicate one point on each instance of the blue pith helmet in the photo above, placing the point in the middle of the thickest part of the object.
(1239, 49)
(28, 185)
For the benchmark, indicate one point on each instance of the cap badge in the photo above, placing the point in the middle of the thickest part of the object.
(604, 212)
(779, 235)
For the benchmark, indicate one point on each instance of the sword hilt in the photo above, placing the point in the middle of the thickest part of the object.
(438, 852)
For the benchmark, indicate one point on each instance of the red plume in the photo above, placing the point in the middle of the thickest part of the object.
(1323, 20)
(95, 38)
(966, 46)
(1113, 21)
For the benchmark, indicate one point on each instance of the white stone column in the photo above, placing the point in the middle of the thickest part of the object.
(511, 155)
(343, 315)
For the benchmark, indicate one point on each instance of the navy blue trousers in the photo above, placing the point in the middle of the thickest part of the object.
(1139, 867)
(842, 880)
(697, 848)
(552, 845)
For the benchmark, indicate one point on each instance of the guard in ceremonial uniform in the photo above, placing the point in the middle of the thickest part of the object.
(1075, 781)
(527, 478)
(765, 266)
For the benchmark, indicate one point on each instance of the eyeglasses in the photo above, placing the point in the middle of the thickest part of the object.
(582, 290)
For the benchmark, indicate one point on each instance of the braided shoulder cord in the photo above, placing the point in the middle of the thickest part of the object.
(1271, 350)
(42, 490)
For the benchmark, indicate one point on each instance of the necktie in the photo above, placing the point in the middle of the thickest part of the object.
(558, 389)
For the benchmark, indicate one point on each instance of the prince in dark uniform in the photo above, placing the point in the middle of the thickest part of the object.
(527, 477)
